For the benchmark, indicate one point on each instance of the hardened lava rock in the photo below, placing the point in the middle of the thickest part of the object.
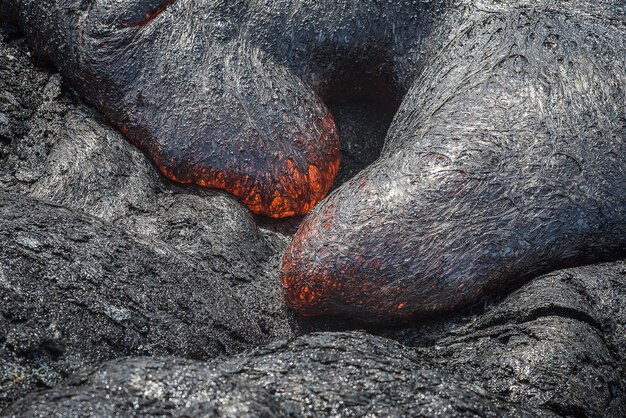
(504, 159)
(58, 150)
(555, 343)
(325, 374)
(76, 292)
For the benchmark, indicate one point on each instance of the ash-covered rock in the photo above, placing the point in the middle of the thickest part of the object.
(75, 292)
(325, 374)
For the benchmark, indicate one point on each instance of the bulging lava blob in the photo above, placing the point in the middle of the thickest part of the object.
(224, 94)
(504, 160)
(205, 103)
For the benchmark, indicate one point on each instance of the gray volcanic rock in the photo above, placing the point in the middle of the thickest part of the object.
(326, 374)
(502, 162)
(556, 343)
(63, 152)
(76, 292)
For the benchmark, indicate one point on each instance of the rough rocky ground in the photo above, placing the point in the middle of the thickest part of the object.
(77, 291)
(354, 374)
(132, 265)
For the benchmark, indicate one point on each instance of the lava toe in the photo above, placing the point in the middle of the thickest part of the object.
(208, 108)
(488, 177)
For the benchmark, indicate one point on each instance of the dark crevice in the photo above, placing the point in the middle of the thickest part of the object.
(563, 312)
(567, 410)
(544, 312)
(362, 86)
(362, 125)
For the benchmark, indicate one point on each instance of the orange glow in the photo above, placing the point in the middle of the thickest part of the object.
(154, 13)
(277, 192)
(286, 199)
(291, 186)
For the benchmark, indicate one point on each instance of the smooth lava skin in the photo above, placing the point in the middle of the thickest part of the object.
(506, 158)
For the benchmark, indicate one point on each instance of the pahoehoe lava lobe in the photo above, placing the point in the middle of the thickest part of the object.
(204, 88)
(507, 158)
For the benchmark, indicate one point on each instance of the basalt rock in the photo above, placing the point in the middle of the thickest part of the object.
(555, 343)
(326, 374)
(59, 150)
(76, 292)
(461, 203)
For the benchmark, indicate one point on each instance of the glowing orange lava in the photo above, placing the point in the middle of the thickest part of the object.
(278, 191)
(153, 13)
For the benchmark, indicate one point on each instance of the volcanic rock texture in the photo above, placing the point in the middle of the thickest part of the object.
(122, 293)
(502, 162)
